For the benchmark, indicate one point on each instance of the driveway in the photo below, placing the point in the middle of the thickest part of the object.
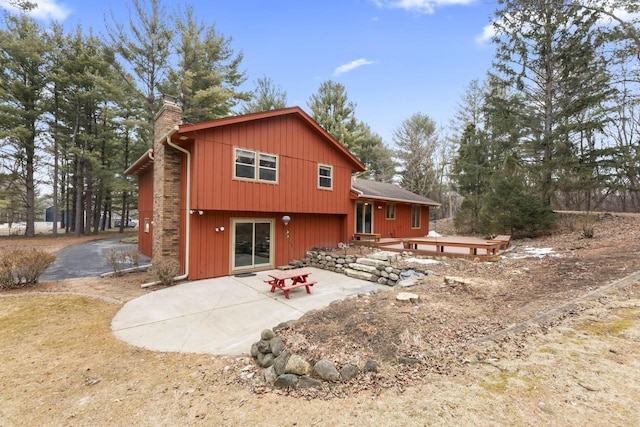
(86, 259)
(225, 315)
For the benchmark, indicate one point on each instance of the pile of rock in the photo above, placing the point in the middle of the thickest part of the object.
(378, 267)
(283, 369)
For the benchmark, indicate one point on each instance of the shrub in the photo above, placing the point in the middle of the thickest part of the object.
(120, 259)
(23, 267)
(166, 270)
(117, 259)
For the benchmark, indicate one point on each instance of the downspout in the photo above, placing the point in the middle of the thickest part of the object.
(167, 138)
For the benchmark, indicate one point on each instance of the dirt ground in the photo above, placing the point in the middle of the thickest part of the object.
(550, 339)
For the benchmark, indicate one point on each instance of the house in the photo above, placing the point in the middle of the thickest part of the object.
(253, 192)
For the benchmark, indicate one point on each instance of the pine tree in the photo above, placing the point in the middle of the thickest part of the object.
(207, 79)
(266, 96)
(331, 109)
(24, 60)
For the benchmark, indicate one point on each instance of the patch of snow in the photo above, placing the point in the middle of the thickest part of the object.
(530, 252)
(434, 234)
(422, 261)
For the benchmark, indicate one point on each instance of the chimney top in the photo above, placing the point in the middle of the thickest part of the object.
(168, 99)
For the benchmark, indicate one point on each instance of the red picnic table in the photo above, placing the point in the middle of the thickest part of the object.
(298, 278)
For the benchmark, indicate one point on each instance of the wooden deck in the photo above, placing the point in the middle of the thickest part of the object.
(452, 246)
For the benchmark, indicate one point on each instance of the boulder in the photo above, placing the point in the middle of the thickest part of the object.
(254, 349)
(297, 365)
(308, 382)
(269, 375)
(349, 371)
(280, 362)
(265, 359)
(267, 334)
(286, 381)
(276, 345)
(371, 366)
(326, 370)
(264, 347)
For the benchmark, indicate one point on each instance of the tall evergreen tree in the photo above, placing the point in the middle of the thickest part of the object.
(331, 109)
(207, 78)
(143, 44)
(416, 140)
(547, 52)
(266, 96)
(24, 60)
(376, 156)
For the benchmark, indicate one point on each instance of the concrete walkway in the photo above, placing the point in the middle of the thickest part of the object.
(225, 315)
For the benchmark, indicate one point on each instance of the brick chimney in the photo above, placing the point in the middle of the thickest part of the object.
(166, 185)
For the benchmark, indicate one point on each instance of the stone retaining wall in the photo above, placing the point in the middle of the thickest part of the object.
(379, 267)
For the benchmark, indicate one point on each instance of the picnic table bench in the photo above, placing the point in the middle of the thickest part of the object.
(298, 279)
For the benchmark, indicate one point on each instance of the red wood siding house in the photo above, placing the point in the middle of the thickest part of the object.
(214, 194)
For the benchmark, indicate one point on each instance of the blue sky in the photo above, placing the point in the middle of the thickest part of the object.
(395, 57)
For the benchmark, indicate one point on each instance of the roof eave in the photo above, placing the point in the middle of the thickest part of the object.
(140, 164)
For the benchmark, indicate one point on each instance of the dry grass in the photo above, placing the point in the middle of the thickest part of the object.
(61, 366)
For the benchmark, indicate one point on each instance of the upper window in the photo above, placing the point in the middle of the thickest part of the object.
(245, 165)
(391, 211)
(325, 176)
(416, 215)
(268, 167)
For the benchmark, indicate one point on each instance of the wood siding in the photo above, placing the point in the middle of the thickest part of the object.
(401, 226)
(299, 149)
(211, 251)
(145, 211)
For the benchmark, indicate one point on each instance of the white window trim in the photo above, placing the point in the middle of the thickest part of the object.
(256, 166)
(320, 187)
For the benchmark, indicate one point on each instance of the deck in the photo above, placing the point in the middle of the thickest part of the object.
(451, 246)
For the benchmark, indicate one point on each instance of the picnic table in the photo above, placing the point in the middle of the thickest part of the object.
(296, 278)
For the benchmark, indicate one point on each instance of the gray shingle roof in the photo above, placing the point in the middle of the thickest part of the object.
(383, 191)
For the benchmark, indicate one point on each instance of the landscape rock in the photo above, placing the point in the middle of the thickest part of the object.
(276, 345)
(361, 267)
(286, 381)
(265, 359)
(269, 375)
(267, 334)
(357, 274)
(349, 371)
(308, 382)
(280, 362)
(326, 370)
(372, 262)
(254, 349)
(297, 365)
(371, 366)
(263, 346)
(407, 296)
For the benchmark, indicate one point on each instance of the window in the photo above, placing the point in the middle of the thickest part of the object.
(416, 215)
(245, 164)
(325, 176)
(391, 211)
(268, 168)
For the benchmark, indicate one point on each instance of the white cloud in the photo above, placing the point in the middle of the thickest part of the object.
(45, 9)
(345, 68)
(421, 6)
(487, 34)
